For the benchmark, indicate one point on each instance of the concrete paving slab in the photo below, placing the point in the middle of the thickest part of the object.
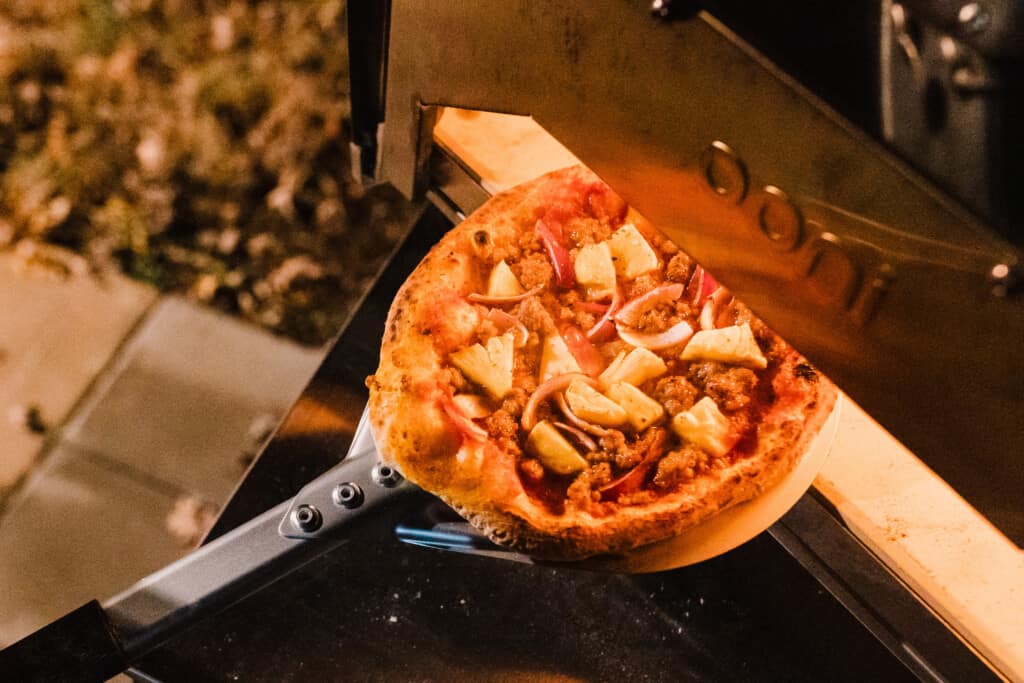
(187, 388)
(58, 329)
(78, 530)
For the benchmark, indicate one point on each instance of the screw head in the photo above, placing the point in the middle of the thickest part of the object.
(386, 476)
(973, 17)
(724, 172)
(306, 518)
(780, 219)
(347, 495)
(674, 9)
(1004, 279)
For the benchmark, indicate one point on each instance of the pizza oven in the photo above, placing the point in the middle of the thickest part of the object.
(849, 171)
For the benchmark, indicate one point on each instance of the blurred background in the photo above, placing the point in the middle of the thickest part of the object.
(199, 147)
(179, 237)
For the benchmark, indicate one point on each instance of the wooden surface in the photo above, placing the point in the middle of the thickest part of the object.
(941, 547)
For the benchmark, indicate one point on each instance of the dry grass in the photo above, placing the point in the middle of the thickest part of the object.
(199, 146)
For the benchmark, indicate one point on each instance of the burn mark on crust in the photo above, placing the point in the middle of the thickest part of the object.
(805, 372)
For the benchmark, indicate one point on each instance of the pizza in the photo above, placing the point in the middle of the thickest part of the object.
(573, 384)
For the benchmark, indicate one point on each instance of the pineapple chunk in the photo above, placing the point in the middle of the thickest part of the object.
(553, 450)
(471, 405)
(636, 368)
(503, 281)
(735, 344)
(631, 253)
(489, 367)
(590, 405)
(705, 427)
(556, 359)
(595, 270)
(641, 409)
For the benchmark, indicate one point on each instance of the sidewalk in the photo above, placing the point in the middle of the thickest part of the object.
(150, 402)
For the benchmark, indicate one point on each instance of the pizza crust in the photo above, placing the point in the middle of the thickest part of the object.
(478, 479)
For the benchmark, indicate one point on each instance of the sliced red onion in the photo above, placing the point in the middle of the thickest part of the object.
(721, 318)
(565, 276)
(694, 285)
(553, 385)
(709, 313)
(633, 480)
(605, 327)
(505, 322)
(578, 421)
(631, 312)
(579, 435)
(583, 350)
(700, 286)
(466, 426)
(503, 300)
(677, 334)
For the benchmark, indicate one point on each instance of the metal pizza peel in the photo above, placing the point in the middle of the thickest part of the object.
(99, 640)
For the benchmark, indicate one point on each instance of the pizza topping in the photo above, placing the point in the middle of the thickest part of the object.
(553, 450)
(633, 480)
(552, 240)
(583, 350)
(576, 420)
(489, 367)
(676, 394)
(673, 336)
(734, 344)
(591, 306)
(631, 253)
(700, 286)
(556, 359)
(630, 313)
(467, 428)
(636, 367)
(595, 270)
(590, 405)
(679, 268)
(536, 317)
(503, 282)
(503, 300)
(641, 410)
(471, 406)
(679, 466)
(604, 328)
(505, 322)
(712, 306)
(731, 387)
(579, 435)
(546, 390)
(705, 427)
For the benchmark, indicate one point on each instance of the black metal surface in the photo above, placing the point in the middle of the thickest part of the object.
(377, 609)
(367, 48)
(80, 646)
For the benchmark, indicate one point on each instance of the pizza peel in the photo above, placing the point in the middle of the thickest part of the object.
(97, 641)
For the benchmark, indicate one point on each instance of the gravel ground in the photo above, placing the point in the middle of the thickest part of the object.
(200, 146)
